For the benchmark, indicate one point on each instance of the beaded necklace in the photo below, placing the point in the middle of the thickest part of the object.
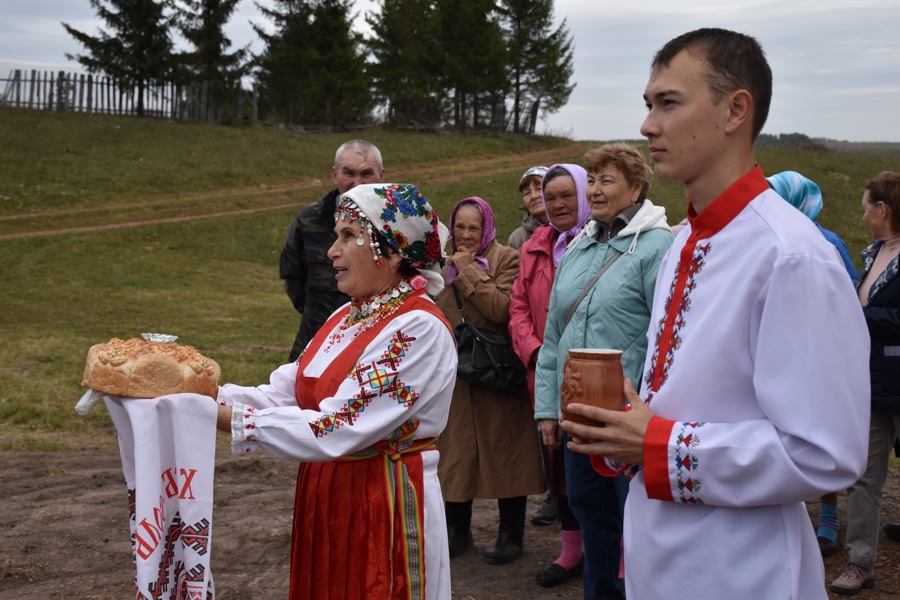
(377, 307)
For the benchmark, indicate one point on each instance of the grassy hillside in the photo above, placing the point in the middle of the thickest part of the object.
(212, 278)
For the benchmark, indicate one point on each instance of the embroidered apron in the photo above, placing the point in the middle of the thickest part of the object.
(358, 521)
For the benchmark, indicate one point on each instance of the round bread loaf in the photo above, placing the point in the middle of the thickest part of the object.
(137, 368)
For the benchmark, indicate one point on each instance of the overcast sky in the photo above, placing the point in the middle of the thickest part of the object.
(836, 62)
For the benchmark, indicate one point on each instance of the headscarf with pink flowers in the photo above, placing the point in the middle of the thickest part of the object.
(579, 176)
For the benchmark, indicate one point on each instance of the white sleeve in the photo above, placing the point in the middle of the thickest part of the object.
(407, 372)
(278, 392)
(810, 360)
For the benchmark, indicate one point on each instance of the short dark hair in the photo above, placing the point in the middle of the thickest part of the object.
(886, 188)
(528, 180)
(551, 175)
(736, 62)
(405, 269)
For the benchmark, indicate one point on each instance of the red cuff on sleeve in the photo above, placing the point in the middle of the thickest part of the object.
(656, 459)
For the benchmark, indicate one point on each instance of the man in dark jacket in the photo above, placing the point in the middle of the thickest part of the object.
(305, 267)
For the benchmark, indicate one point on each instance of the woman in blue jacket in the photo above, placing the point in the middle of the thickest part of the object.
(614, 313)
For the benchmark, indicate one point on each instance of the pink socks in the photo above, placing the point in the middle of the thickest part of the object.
(571, 549)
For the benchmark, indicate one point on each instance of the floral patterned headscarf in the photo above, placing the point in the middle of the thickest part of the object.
(402, 215)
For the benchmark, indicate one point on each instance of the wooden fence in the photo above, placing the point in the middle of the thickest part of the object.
(77, 92)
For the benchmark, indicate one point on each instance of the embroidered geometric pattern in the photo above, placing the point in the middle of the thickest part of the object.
(333, 339)
(196, 536)
(686, 464)
(658, 373)
(132, 508)
(161, 585)
(195, 592)
(376, 379)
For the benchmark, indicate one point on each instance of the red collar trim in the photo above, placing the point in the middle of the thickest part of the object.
(727, 206)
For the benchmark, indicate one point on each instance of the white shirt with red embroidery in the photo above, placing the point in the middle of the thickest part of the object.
(761, 403)
(407, 372)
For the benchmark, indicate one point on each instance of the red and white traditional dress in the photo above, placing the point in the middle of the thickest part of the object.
(362, 419)
(757, 372)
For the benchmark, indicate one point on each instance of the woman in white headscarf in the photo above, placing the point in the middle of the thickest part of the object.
(361, 410)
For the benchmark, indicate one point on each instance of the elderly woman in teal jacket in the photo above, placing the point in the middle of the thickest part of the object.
(614, 313)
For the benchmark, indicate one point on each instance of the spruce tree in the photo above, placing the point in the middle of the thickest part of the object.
(136, 47)
(283, 68)
(408, 63)
(540, 60)
(475, 61)
(202, 23)
(312, 69)
(339, 75)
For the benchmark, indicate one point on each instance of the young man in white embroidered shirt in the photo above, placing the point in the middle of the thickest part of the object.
(753, 399)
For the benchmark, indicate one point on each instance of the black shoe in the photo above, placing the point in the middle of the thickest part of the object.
(827, 547)
(459, 540)
(459, 527)
(553, 574)
(548, 513)
(892, 530)
(507, 549)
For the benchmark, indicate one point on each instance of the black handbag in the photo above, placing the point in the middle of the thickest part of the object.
(487, 358)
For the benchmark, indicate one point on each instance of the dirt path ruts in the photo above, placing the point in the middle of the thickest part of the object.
(441, 173)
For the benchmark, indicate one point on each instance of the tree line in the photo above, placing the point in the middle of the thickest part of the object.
(469, 64)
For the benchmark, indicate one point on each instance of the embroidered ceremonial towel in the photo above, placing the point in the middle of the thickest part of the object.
(168, 447)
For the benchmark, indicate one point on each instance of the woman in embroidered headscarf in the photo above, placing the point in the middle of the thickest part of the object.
(488, 449)
(361, 410)
(565, 202)
(628, 236)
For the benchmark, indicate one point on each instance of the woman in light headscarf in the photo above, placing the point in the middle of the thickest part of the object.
(489, 448)
(567, 207)
(806, 196)
(361, 411)
(532, 204)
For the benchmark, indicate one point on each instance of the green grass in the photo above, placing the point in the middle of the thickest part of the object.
(54, 160)
(214, 281)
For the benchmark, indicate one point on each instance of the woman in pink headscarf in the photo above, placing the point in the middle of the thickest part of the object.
(488, 449)
(568, 209)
